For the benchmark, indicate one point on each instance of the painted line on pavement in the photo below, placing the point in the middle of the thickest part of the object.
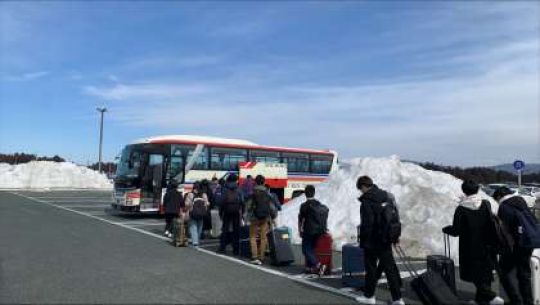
(208, 252)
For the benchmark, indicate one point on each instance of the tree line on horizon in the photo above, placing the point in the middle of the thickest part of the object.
(483, 175)
(20, 158)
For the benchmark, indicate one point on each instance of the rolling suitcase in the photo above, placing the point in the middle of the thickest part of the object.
(245, 247)
(323, 251)
(430, 287)
(353, 268)
(179, 233)
(280, 248)
(444, 265)
(535, 279)
(217, 224)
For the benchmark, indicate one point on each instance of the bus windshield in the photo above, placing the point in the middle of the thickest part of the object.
(129, 163)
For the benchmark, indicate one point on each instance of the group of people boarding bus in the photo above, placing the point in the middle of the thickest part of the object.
(497, 237)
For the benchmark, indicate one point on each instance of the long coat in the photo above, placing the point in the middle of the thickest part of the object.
(476, 258)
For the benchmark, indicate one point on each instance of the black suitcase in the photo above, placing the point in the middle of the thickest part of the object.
(430, 287)
(444, 265)
(353, 267)
(280, 249)
(245, 247)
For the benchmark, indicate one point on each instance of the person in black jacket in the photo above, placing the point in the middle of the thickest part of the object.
(172, 202)
(519, 260)
(375, 250)
(231, 209)
(472, 224)
(311, 227)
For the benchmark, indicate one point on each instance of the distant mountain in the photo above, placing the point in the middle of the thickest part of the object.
(532, 168)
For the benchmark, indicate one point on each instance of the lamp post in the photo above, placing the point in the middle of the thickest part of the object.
(102, 110)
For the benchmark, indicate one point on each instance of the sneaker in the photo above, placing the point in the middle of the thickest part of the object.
(169, 235)
(256, 262)
(496, 301)
(322, 270)
(166, 233)
(365, 300)
(398, 302)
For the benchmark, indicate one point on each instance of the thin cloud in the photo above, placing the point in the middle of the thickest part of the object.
(26, 76)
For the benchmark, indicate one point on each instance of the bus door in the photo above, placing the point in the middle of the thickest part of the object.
(152, 183)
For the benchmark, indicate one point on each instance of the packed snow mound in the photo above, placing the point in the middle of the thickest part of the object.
(48, 174)
(426, 201)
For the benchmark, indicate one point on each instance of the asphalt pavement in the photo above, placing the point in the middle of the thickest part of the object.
(70, 247)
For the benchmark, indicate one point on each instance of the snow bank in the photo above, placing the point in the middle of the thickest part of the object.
(426, 201)
(48, 174)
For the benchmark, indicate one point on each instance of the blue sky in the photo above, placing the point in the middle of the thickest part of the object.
(450, 82)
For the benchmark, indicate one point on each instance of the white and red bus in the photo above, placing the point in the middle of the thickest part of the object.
(147, 165)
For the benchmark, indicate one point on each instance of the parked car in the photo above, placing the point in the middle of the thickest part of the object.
(526, 194)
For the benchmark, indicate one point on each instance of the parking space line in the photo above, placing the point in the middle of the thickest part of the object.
(71, 206)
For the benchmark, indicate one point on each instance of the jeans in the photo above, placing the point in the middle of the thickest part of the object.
(308, 249)
(520, 261)
(386, 263)
(258, 227)
(195, 229)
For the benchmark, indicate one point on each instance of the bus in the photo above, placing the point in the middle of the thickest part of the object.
(146, 166)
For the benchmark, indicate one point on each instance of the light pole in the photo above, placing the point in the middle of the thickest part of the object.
(102, 110)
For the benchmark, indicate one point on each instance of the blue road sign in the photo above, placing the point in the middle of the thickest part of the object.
(519, 165)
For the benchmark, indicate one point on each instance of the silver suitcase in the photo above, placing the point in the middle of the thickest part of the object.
(216, 224)
(535, 268)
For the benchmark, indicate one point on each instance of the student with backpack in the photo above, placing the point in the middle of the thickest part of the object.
(312, 223)
(524, 229)
(380, 228)
(260, 211)
(231, 209)
(197, 207)
(172, 202)
(472, 224)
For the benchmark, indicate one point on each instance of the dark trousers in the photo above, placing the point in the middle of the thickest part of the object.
(230, 233)
(168, 221)
(484, 294)
(520, 262)
(377, 261)
(308, 249)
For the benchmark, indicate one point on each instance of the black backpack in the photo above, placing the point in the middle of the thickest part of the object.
(199, 208)
(502, 240)
(262, 202)
(317, 218)
(389, 222)
(231, 204)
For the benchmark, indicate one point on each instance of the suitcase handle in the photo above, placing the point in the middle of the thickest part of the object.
(406, 262)
(446, 239)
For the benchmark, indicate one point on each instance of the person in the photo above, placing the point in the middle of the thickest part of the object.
(275, 199)
(472, 224)
(312, 223)
(207, 221)
(510, 205)
(376, 248)
(196, 205)
(231, 209)
(218, 192)
(213, 184)
(247, 186)
(172, 202)
(259, 215)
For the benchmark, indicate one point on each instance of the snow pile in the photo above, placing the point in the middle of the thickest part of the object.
(48, 174)
(426, 201)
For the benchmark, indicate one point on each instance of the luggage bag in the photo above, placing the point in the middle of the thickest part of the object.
(179, 232)
(323, 251)
(430, 287)
(535, 279)
(281, 253)
(217, 224)
(444, 265)
(353, 268)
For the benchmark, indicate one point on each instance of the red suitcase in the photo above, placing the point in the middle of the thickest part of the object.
(323, 250)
